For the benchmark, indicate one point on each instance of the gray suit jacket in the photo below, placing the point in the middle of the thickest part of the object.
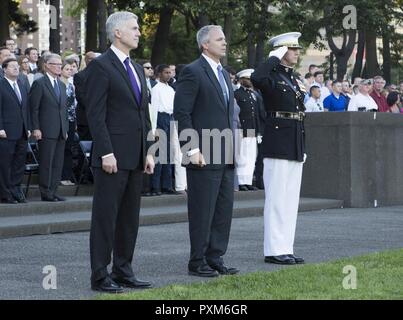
(48, 113)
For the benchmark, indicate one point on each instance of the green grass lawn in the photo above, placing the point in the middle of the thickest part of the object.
(379, 276)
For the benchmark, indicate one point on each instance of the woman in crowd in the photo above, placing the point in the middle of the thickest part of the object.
(393, 101)
(67, 173)
(24, 68)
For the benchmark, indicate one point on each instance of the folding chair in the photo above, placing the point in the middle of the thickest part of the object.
(85, 147)
(31, 164)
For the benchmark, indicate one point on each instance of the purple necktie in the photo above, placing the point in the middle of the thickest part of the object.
(133, 81)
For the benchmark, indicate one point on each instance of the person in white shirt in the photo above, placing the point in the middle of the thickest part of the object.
(319, 81)
(362, 101)
(162, 102)
(314, 103)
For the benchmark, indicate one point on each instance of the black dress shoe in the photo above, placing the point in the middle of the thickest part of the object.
(20, 198)
(156, 193)
(106, 285)
(9, 201)
(49, 199)
(203, 270)
(298, 260)
(243, 187)
(224, 270)
(59, 198)
(251, 188)
(169, 191)
(131, 282)
(282, 259)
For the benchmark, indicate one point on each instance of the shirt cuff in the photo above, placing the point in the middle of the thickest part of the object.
(107, 155)
(192, 152)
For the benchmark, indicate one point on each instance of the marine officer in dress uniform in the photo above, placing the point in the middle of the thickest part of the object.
(248, 103)
(283, 146)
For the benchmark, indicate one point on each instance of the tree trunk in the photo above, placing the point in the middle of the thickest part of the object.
(228, 35)
(103, 44)
(4, 22)
(161, 40)
(372, 66)
(203, 20)
(386, 56)
(54, 33)
(343, 54)
(357, 71)
(91, 40)
(331, 66)
(261, 38)
(251, 50)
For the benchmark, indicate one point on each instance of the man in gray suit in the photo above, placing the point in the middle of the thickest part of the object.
(204, 100)
(49, 123)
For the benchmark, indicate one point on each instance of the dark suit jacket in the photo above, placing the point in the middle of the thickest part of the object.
(283, 138)
(117, 123)
(199, 104)
(48, 114)
(79, 84)
(14, 116)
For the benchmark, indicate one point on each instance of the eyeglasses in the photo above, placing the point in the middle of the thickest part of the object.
(148, 68)
(25, 61)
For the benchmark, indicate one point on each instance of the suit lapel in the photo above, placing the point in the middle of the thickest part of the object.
(213, 79)
(50, 88)
(143, 83)
(229, 85)
(118, 65)
(11, 90)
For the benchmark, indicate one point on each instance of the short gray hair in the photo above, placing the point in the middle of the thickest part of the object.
(203, 35)
(115, 20)
(49, 56)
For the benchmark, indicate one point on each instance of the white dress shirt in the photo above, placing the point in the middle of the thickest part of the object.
(314, 105)
(362, 101)
(162, 98)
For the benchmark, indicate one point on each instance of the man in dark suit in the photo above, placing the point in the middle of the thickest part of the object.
(117, 112)
(49, 123)
(204, 100)
(14, 133)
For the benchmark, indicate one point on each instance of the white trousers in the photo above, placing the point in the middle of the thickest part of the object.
(180, 171)
(282, 184)
(245, 164)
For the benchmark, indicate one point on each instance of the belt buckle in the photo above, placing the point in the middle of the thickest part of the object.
(301, 116)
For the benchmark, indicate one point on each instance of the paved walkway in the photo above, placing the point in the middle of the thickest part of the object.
(162, 250)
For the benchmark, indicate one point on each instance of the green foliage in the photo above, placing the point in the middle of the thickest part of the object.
(20, 20)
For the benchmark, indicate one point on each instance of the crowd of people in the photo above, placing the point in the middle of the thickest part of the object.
(58, 122)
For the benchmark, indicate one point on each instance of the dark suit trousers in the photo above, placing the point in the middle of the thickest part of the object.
(210, 205)
(51, 155)
(67, 173)
(115, 221)
(12, 165)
